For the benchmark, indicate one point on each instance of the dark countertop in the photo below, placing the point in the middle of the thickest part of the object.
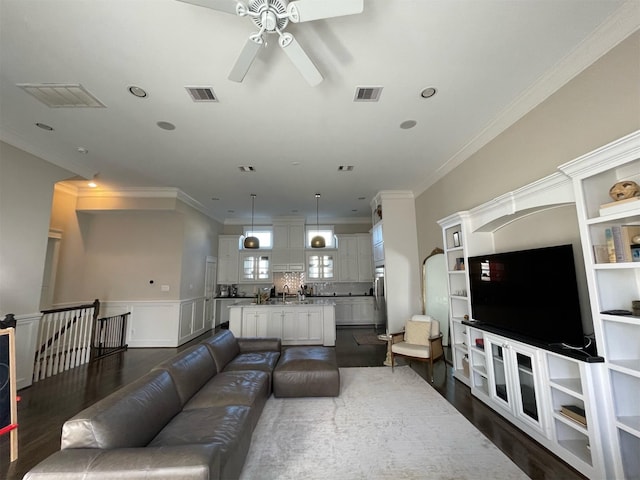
(581, 355)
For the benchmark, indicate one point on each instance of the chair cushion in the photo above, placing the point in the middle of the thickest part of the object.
(410, 350)
(417, 333)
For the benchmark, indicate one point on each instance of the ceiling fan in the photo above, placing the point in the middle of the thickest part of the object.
(273, 16)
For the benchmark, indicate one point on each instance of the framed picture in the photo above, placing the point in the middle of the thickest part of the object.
(456, 239)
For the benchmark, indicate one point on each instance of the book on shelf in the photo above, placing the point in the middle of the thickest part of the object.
(618, 242)
(611, 249)
(574, 413)
(619, 206)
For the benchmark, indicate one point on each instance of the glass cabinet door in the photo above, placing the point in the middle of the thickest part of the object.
(255, 268)
(499, 373)
(528, 405)
(320, 267)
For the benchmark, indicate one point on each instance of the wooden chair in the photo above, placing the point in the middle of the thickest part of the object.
(421, 340)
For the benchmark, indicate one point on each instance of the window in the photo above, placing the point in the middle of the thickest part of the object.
(323, 230)
(264, 234)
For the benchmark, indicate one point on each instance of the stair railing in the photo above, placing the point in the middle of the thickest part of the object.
(64, 339)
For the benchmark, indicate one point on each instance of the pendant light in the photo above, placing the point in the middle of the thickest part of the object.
(251, 241)
(318, 240)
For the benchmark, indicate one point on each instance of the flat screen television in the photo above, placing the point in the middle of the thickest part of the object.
(530, 293)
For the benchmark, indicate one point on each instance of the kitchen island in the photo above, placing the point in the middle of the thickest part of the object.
(309, 322)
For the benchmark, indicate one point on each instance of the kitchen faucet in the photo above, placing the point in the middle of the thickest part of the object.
(284, 296)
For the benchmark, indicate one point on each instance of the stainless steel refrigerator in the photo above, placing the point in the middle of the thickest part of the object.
(380, 303)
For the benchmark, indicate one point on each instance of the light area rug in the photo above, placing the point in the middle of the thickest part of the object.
(383, 425)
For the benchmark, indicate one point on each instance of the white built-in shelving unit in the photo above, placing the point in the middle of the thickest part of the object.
(529, 385)
(613, 286)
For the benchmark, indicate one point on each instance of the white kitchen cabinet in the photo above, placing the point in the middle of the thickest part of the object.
(377, 244)
(348, 258)
(302, 326)
(365, 258)
(354, 310)
(252, 321)
(355, 258)
(321, 265)
(613, 286)
(299, 324)
(288, 246)
(255, 268)
(228, 256)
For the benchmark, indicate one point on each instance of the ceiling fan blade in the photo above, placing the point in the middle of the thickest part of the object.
(248, 54)
(308, 10)
(227, 6)
(300, 59)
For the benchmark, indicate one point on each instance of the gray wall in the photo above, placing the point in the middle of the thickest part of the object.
(113, 255)
(27, 181)
(596, 107)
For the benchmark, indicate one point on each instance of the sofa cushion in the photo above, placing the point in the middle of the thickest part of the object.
(250, 388)
(192, 462)
(190, 370)
(223, 347)
(263, 361)
(130, 417)
(228, 426)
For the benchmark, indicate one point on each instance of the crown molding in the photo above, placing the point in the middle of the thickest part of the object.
(622, 23)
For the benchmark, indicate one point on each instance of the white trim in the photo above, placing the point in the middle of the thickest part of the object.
(27, 326)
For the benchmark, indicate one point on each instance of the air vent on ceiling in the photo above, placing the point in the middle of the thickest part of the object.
(345, 168)
(246, 168)
(367, 94)
(202, 94)
(58, 95)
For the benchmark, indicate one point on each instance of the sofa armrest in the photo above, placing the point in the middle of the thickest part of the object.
(183, 462)
(259, 344)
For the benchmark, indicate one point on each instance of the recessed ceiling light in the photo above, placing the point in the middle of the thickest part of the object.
(362, 198)
(166, 125)
(44, 126)
(137, 91)
(408, 124)
(215, 199)
(428, 92)
(231, 211)
(295, 164)
(345, 168)
(247, 168)
(82, 150)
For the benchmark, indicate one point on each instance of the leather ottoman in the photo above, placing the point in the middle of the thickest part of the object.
(307, 372)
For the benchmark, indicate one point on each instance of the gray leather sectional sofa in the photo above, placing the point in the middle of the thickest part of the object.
(190, 417)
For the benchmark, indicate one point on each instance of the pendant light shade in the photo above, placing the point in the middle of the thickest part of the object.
(318, 240)
(252, 242)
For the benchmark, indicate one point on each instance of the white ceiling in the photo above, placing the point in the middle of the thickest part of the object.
(491, 62)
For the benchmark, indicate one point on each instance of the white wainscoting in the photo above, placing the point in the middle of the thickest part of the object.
(159, 323)
(26, 338)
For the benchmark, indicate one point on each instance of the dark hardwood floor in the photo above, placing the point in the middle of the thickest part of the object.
(46, 405)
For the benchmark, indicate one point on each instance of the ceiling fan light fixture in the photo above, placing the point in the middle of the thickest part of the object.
(318, 240)
(252, 242)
